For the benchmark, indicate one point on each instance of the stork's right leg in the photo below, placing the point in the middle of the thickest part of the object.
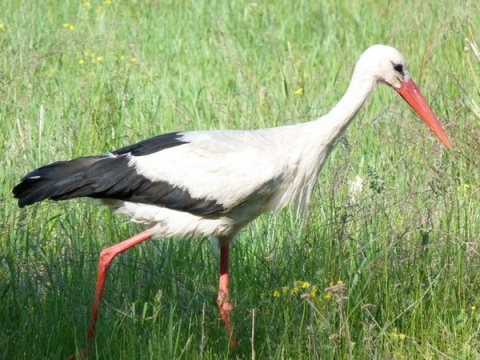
(224, 305)
(104, 262)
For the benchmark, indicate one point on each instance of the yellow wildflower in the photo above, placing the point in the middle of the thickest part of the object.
(99, 58)
(81, 61)
(2, 26)
(86, 5)
(464, 189)
(276, 293)
(285, 289)
(305, 285)
(397, 335)
(133, 60)
(69, 26)
(294, 290)
(302, 284)
(299, 91)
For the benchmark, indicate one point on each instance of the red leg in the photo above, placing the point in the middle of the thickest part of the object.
(224, 304)
(104, 261)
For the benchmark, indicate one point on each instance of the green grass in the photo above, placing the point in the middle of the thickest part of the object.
(80, 78)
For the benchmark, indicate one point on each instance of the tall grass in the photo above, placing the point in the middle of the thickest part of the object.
(386, 263)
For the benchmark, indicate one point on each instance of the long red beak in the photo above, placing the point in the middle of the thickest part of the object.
(412, 95)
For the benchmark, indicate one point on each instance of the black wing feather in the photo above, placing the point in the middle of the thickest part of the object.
(152, 145)
(110, 177)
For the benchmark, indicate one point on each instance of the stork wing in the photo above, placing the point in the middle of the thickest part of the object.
(210, 172)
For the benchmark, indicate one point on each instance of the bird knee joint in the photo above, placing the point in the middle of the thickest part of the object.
(106, 257)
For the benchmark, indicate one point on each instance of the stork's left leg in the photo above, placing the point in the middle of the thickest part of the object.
(104, 262)
(224, 305)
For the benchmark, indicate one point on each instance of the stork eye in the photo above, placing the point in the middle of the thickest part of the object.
(398, 68)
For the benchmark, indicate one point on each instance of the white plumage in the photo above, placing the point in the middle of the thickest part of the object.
(213, 183)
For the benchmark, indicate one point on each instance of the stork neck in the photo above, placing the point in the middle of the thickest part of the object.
(358, 91)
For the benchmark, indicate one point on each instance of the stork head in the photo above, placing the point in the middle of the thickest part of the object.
(384, 64)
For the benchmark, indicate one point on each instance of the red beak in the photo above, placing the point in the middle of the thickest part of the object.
(412, 95)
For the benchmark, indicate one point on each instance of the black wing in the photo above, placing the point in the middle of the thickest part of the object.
(110, 177)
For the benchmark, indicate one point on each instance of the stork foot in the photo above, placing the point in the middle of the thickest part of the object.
(225, 307)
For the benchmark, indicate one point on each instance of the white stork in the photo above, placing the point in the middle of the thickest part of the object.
(213, 183)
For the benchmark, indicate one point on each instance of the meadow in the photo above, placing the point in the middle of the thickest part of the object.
(386, 263)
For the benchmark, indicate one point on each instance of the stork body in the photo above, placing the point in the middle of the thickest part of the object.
(213, 183)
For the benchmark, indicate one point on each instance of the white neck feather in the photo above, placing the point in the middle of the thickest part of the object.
(324, 133)
(342, 114)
